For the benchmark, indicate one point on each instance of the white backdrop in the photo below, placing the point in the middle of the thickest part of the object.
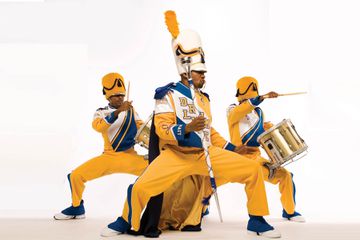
(54, 53)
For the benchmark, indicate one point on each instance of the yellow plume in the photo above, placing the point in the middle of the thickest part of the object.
(171, 23)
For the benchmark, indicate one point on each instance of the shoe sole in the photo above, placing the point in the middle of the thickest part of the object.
(287, 219)
(264, 234)
(71, 217)
(109, 233)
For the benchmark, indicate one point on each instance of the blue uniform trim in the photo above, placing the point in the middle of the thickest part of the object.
(213, 183)
(126, 135)
(129, 139)
(102, 108)
(255, 101)
(206, 95)
(207, 212)
(184, 90)
(68, 177)
(160, 92)
(120, 135)
(206, 200)
(129, 192)
(251, 137)
(111, 118)
(190, 139)
(230, 146)
(294, 189)
(284, 213)
(179, 131)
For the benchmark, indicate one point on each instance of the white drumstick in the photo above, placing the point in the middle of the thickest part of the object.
(284, 94)
(290, 94)
(128, 91)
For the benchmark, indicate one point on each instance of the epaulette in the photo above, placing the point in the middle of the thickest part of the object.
(102, 108)
(230, 108)
(160, 92)
(206, 95)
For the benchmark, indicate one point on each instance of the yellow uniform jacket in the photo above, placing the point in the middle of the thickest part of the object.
(246, 122)
(118, 131)
(178, 108)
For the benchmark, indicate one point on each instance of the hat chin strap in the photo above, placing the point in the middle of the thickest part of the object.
(186, 61)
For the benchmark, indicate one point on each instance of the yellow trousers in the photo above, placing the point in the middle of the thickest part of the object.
(183, 205)
(281, 177)
(172, 165)
(107, 163)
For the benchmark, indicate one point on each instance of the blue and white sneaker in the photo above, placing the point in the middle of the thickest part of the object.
(258, 226)
(118, 227)
(71, 213)
(295, 217)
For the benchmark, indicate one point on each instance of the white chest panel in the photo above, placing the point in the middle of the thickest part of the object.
(248, 123)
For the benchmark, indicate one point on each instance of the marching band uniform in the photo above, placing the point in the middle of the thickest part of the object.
(119, 155)
(246, 123)
(182, 154)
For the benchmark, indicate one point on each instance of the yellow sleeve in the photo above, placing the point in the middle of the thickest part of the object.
(102, 121)
(236, 112)
(167, 129)
(165, 120)
(100, 124)
(219, 141)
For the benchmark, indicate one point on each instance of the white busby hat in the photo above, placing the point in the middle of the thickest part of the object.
(186, 45)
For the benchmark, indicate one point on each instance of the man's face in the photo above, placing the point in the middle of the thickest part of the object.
(198, 78)
(116, 100)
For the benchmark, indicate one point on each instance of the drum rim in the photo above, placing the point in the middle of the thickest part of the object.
(272, 129)
(298, 152)
(143, 125)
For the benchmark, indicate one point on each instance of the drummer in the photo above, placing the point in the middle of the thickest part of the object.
(246, 123)
(118, 123)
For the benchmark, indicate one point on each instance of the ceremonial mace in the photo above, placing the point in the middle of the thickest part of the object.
(186, 61)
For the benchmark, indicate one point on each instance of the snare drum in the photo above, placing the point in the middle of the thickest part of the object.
(282, 144)
(143, 134)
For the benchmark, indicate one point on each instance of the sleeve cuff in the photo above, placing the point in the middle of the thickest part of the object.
(110, 119)
(179, 131)
(255, 101)
(229, 146)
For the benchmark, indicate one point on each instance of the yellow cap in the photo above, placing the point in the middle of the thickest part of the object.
(113, 84)
(247, 87)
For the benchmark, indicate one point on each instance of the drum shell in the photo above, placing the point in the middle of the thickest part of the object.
(143, 134)
(282, 143)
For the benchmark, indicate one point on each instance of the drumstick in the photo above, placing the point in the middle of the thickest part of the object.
(285, 94)
(128, 91)
(290, 94)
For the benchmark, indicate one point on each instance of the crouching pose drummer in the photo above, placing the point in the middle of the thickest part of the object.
(118, 123)
(246, 123)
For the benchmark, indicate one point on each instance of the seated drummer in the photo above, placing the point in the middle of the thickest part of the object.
(246, 123)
